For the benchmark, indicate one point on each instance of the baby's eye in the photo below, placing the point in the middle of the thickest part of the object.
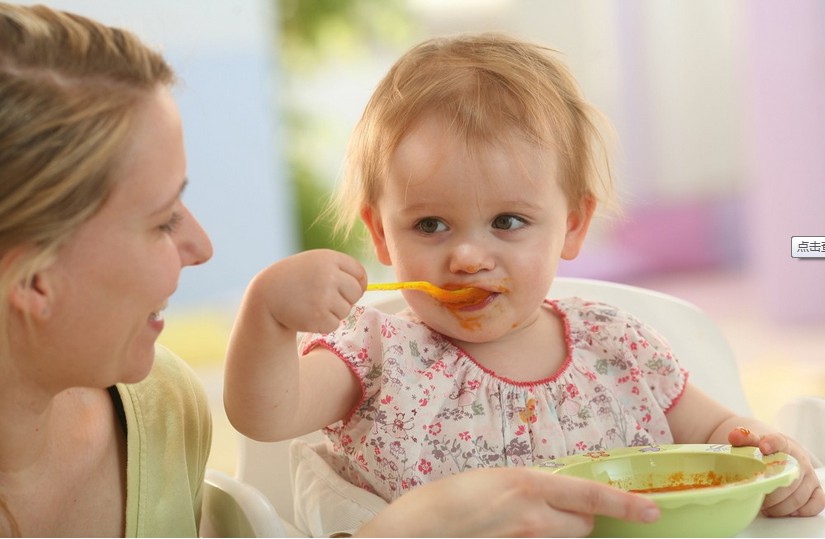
(430, 225)
(172, 224)
(508, 222)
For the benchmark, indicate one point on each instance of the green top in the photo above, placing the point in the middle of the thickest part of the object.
(169, 434)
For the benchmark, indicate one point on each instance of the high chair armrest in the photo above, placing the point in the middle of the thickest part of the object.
(232, 508)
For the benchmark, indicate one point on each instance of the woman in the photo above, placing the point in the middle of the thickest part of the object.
(93, 235)
(102, 433)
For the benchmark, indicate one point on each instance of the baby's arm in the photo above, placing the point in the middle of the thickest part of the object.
(269, 394)
(697, 418)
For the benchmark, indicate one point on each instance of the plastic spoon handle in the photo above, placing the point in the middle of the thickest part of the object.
(460, 296)
(412, 285)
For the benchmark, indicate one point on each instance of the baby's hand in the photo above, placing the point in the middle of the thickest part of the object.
(312, 291)
(804, 497)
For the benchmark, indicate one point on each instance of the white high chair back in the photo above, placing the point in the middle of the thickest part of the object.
(232, 508)
(697, 342)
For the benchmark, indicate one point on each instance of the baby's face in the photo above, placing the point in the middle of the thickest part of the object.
(494, 217)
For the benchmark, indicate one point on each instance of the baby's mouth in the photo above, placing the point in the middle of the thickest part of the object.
(475, 300)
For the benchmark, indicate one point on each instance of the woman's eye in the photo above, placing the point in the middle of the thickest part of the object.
(430, 225)
(172, 224)
(508, 222)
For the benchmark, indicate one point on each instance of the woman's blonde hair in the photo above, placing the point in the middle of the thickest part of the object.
(487, 87)
(69, 91)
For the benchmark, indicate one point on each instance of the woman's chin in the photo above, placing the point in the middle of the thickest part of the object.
(139, 368)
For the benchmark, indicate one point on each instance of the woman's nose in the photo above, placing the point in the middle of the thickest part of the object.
(194, 245)
(471, 257)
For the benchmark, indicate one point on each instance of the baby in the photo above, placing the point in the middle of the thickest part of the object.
(477, 163)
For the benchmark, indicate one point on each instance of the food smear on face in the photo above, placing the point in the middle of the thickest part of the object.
(470, 324)
(462, 301)
(465, 318)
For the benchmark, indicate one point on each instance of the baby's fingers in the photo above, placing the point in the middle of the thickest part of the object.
(740, 436)
(814, 505)
(775, 442)
(802, 498)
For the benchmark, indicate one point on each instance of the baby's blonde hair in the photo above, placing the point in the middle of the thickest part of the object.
(70, 89)
(486, 87)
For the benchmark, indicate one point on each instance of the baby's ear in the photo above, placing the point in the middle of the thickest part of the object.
(372, 218)
(578, 222)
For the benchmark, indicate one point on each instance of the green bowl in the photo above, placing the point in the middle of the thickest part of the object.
(702, 490)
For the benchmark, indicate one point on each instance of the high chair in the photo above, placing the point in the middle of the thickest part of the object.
(232, 508)
(696, 340)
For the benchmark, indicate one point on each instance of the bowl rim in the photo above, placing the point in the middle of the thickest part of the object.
(780, 470)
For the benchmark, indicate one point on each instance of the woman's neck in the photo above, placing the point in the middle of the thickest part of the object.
(62, 462)
(27, 423)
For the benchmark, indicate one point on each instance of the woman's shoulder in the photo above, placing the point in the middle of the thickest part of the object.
(169, 427)
(171, 373)
(173, 383)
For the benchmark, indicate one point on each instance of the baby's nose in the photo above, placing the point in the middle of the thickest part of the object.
(470, 257)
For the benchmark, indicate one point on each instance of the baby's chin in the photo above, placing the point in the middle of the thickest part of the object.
(476, 331)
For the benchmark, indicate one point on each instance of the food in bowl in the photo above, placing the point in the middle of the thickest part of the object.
(702, 490)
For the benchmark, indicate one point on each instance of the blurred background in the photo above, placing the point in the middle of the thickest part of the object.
(718, 106)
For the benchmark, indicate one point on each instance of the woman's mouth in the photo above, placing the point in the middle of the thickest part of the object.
(156, 319)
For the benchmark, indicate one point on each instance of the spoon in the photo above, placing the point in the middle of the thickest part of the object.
(459, 296)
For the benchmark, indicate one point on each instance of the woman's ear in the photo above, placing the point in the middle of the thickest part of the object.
(372, 218)
(29, 294)
(578, 222)
(31, 297)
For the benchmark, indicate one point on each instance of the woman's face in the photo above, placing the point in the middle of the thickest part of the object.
(113, 278)
(495, 218)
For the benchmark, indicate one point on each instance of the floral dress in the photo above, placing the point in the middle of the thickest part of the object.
(429, 410)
